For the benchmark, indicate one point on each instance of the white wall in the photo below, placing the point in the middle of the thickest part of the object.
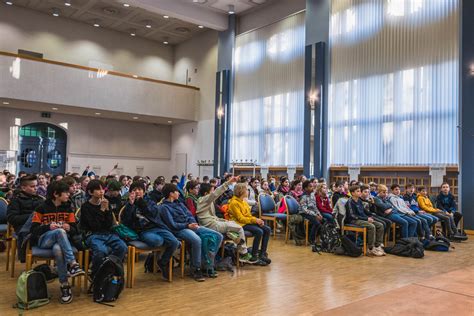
(78, 43)
(269, 14)
(197, 139)
(102, 142)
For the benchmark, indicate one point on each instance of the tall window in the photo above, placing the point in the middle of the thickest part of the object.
(267, 111)
(393, 96)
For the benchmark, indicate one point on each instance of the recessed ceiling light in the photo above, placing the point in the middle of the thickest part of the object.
(126, 5)
(201, 26)
(6, 103)
(55, 12)
(135, 117)
(166, 16)
(9, 2)
(54, 109)
(147, 24)
(170, 122)
(67, 4)
(165, 42)
(96, 24)
(97, 113)
(135, 76)
(133, 34)
(231, 9)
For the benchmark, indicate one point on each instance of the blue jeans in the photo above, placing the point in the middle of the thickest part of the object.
(328, 217)
(423, 227)
(102, 245)
(314, 224)
(192, 237)
(62, 250)
(157, 237)
(259, 233)
(408, 225)
(428, 217)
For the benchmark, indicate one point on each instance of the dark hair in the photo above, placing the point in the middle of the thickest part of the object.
(322, 180)
(364, 187)
(283, 179)
(168, 189)
(421, 188)
(205, 178)
(339, 183)
(409, 186)
(158, 181)
(253, 179)
(191, 185)
(122, 177)
(69, 181)
(444, 183)
(27, 178)
(204, 189)
(354, 188)
(175, 177)
(394, 186)
(243, 179)
(94, 185)
(294, 183)
(137, 185)
(306, 184)
(353, 182)
(213, 181)
(56, 176)
(227, 176)
(137, 178)
(57, 187)
(22, 172)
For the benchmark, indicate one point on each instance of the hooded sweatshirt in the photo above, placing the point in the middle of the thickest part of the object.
(239, 211)
(175, 215)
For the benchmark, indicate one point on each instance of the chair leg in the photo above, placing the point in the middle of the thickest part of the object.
(183, 250)
(134, 260)
(86, 269)
(129, 265)
(170, 277)
(9, 246)
(29, 259)
(274, 228)
(287, 232)
(155, 268)
(13, 257)
(222, 249)
(306, 232)
(394, 232)
(80, 256)
(364, 235)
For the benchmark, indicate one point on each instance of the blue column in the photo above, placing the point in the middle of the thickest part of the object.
(223, 103)
(466, 119)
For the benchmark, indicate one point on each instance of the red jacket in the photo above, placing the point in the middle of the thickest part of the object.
(323, 204)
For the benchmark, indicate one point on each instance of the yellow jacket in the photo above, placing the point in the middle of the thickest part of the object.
(239, 212)
(425, 204)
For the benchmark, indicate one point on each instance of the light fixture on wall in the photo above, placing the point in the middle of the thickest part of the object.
(97, 113)
(169, 122)
(135, 117)
(6, 103)
(220, 112)
(166, 41)
(54, 109)
(231, 9)
(313, 97)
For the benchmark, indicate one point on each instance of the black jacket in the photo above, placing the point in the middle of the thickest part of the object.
(94, 221)
(155, 195)
(142, 215)
(336, 196)
(21, 207)
(355, 211)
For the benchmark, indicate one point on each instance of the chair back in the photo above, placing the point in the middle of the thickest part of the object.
(3, 211)
(119, 219)
(266, 203)
(292, 206)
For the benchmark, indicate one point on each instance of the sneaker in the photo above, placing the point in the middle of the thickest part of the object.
(66, 294)
(165, 271)
(246, 258)
(264, 258)
(197, 275)
(235, 237)
(380, 249)
(211, 273)
(374, 251)
(279, 225)
(253, 260)
(75, 270)
(261, 263)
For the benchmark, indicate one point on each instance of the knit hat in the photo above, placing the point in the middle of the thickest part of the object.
(114, 185)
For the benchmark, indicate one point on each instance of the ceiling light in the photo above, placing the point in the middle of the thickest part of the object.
(97, 113)
(133, 32)
(165, 42)
(9, 2)
(67, 4)
(166, 16)
(231, 9)
(148, 24)
(135, 117)
(126, 5)
(170, 122)
(135, 76)
(54, 109)
(6, 103)
(201, 26)
(55, 12)
(96, 24)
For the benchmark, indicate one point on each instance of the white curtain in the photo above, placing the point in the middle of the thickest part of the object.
(267, 110)
(393, 97)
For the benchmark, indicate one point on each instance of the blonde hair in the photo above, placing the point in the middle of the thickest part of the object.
(382, 187)
(240, 189)
(320, 187)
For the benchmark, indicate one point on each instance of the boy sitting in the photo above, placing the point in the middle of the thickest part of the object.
(355, 215)
(339, 193)
(411, 201)
(446, 202)
(141, 215)
(97, 222)
(371, 210)
(114, 197)
(52, 222)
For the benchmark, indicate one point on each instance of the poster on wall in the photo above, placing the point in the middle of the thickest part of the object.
(437, 173)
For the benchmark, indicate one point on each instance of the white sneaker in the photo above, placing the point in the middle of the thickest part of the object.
(375, 252)
(380, 249)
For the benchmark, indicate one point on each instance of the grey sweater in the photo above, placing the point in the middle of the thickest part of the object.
(205, 211)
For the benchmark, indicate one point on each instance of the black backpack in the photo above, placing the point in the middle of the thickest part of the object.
(407, 247)
(330, 238)
(347, 248)
(438, 244)
(108, 280)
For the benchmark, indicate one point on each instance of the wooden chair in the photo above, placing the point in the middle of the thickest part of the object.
(267, 210)
(357, 230)
(5, 232)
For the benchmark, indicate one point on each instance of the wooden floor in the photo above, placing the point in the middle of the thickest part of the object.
(297, 282)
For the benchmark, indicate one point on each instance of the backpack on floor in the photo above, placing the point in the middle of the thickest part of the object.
(437, 244)
(296, 229)
(330, 238)
(31, 290)
(108, 280)
(347, 248)
(407, 247)
(460, 236)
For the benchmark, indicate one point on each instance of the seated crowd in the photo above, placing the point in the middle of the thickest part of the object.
(61, 212)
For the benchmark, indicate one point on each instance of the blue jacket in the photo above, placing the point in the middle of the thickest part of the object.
(355, 211)
(142, 215)
(384, 204)
(175, 215)
(446, 202)
(412, 202)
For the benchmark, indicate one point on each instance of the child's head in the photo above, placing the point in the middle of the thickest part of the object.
(297, 185)
(71, 183)
(138, 188)
(339, 186)
(308, 186)
(264, 185)
(41, 180)
(353, 182)
(170, 191)
(159, 183)
(422, 191)
(95, 188)
(205, 189)
(333, 186)
(364, 191)
(322, 189)
(285, 182)
(373, 186)
(382, 191)
(445, 188)
(410, 188)
(58, 191)
(346, 186)
(395, 188)
(254, 183)
(113, 188)
(240, 190)
(84, 180)
(355, 191)
(29, 184)
(192, 187)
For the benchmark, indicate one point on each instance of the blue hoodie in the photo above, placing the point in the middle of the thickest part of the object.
(142, 215)
(176, 215)
(446, 202)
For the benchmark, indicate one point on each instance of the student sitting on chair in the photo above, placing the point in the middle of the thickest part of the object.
(355, 215)
(446, 202)
(156, 195)
(309, 210)
(296, 189)
(97, 222)
(371, 210)
(141, 215)
(114, 197)
(339, 193)
(206, 214)
(387, 209)
(52, 225)
(183, 225)
(446, 218)
(192, 189)
(323, 203)
(410, 199)
(239, 212)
